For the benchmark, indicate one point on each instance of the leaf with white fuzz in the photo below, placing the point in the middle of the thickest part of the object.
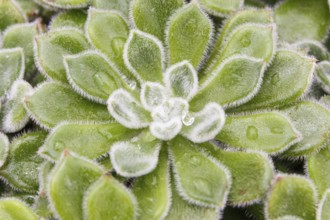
(89, 140)
(169, 109)
(233, 82)
(92, 75)
(323, 75)
(152, 94)
(153, 191)
(127, 110)
(9, 210)
(151, 16)
(285, 81)
(68, 182)
(12, 67)
(15, 115)
(101, 199)
(270, 132)
(221, 8)
(11, 14)
(136, 157)
(4, 148)
(144, 56)
(50, 48)
(291, 195)
(182, 80)
(188, 35)
(65, 4)
(314, 48)
(209, 183)
(52, 103)
(205, 125)
(323, 210)
(313, 121)
(71, 18)
(166, 130)
(119, 5)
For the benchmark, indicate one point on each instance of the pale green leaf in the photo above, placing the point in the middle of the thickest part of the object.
(323, 75)
(72, 18)
(14, 209)
(152, 94)
(323, 211)
(221, 7)
(314, 48)
(66, 4)
(120, 5)
(4, 148)
(10, 13)
(52, 103)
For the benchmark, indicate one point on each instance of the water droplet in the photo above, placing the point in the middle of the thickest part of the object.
(245, 42)
(275, 79)
(195, 160)
(58, 146)
(187, 119)
(103, 82)
(117, 45)
(203, 186)
(277, 130)
(104, 132)
(154, 180)
(252, 133)
(132, 84)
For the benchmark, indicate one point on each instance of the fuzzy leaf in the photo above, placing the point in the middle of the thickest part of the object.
(21, 167)
(92, 76)
(120, 5)
(210, 182)
(153, 191)
(143, 55)
(14, 209)
(102, 199)
(284, 82)
(233, 82)
(252, 175)
(66, 4)
(151, 16)
(221, 7)
(10, 13)
(318, 166)
(127, 110)
(72, 18)
(136, 157)
(182, 80)
(313, 121)
(108, 32)
(4, 148)
(53, 103)
(87, 140)
(188, 34)
(52, 46)
(323, 75)
(270, 132)
(166, 130)
(152, 95)
(11, 68)
(323, 212)
(204, 125)
(15, 115)
(68, 182)
(291, 195)
(302, 19)
(314, 48)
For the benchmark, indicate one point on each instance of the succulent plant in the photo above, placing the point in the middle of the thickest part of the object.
(153, 109)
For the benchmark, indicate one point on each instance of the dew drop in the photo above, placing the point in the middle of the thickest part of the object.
(245, 42)
(277, 130)
(154, 181)
(203, 186)
(195, 160)
(252, 133)
(187, 119)
(275, 79)
(59, 146)
(132, 84)
(117, 45)
(105, 133)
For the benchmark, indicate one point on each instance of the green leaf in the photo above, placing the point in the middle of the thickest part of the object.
(285, 81)
(14, 209)
(102, 199)
(92, 75)
(302, 19)
(151, 16)
(210, 182)
(252, 175)
(11, 68)
(188, 34)
(182, 80)
(50, 48)
(144, 56)
(323, 210)
(22, 35)
(85, 139)
(233, 82)
(270, 132)
(136, 157)
(52, 103)
(221, 7)
(153, 191)
(21, 167)
(66, 4)
(72, 18)
(15, 115)
(41, 207)
(127, 110)
(4, 148)
(317, 166)
(108, 32)
(10, 13)
(68, 182)
(314, 48)
(291, 195)
(119, 5)
(325, 100)
(323, 75)
(152, 95)
(313, 121)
